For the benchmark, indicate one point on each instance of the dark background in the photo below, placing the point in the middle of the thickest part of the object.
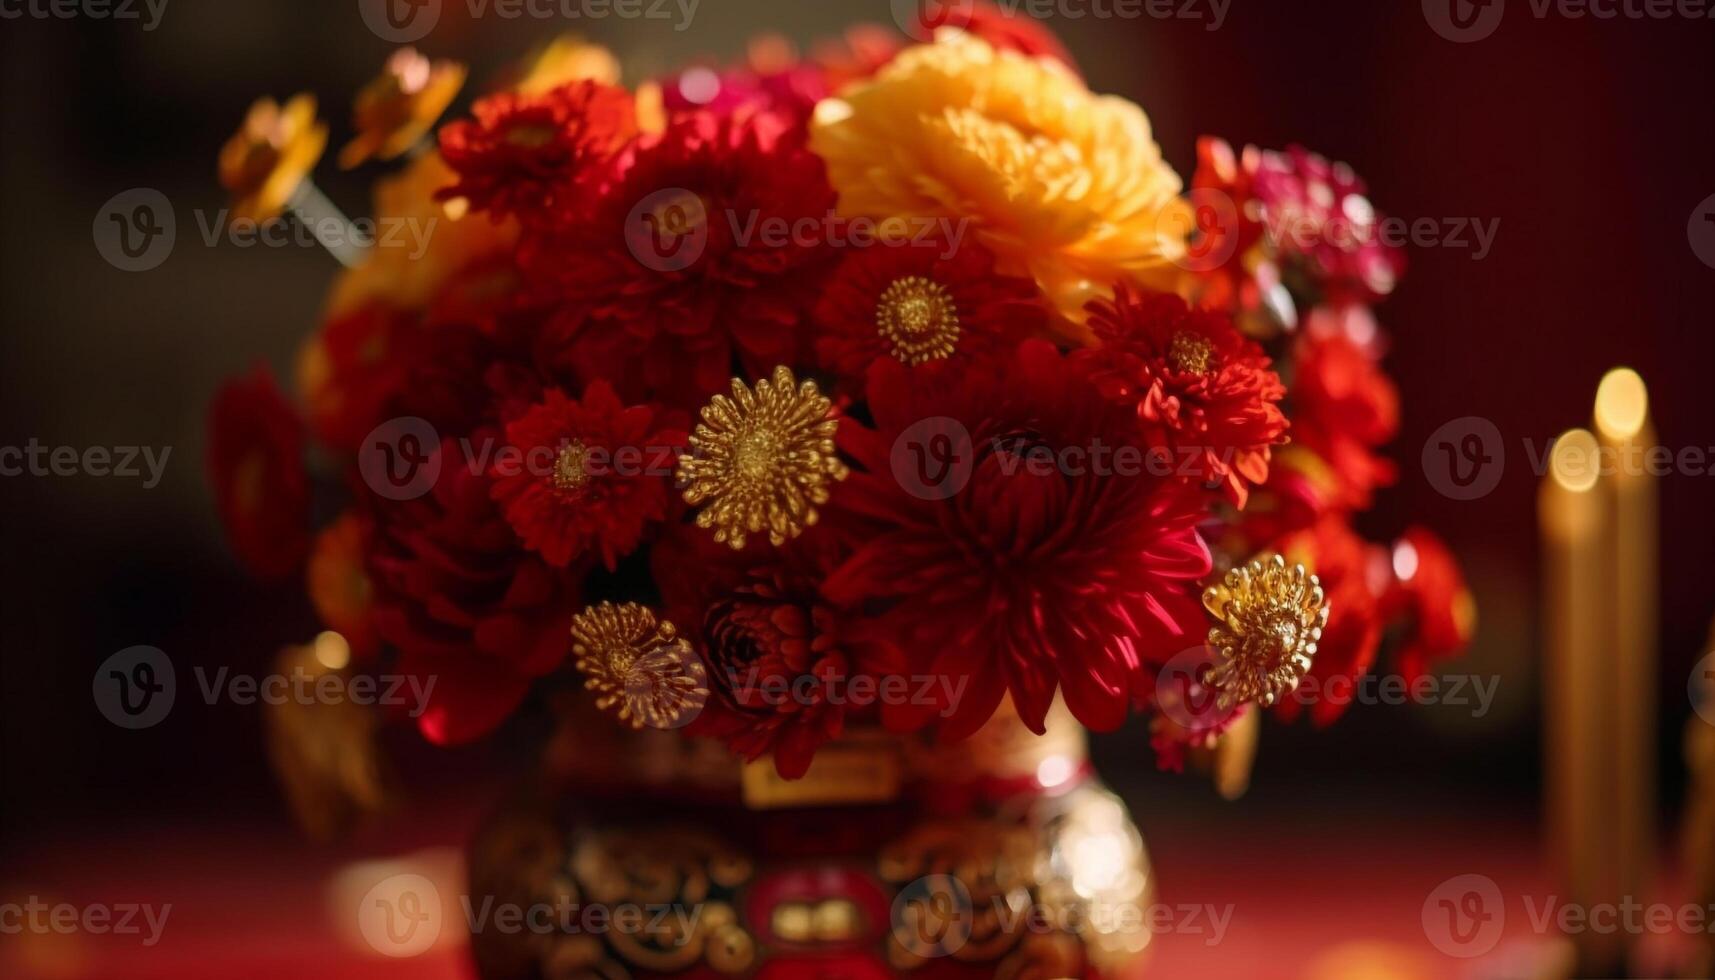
(1591, 141)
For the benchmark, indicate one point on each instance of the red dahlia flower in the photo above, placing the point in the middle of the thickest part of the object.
(352, 369)
(1235, 264)
(858, 53)
(921, 303)
(590, 473)
(1287, 219)
(256, 466)
(1428, 591)
(1344, 406)
(781, 656)
(1323, 227)
(772, 79)
(707, 245)
(376, 364)
(464, 603)
(523, 154)
(1205, 395)
(1024, 552)
(1348, 568)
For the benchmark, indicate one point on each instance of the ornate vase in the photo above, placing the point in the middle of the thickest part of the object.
(648, 855)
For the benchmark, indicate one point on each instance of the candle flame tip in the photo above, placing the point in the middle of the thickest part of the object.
(1622, 403)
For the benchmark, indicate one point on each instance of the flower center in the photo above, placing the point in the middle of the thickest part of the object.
(1190, 353)
(571, 472)
(756, 454)
(529, 137)
(918, 317)
(1273, 634)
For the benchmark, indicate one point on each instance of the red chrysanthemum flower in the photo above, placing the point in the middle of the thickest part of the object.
(376, 364)
(1428, 592)
(1206, 396)
(1235, 265)
(781, 656)
(1281, 225)
(1348, 568)
(352, 369)
(1012, 552)
(1343, 407)
(464, 603)
(707, 246)
(772, 79)
(858, 53)
(921, 303)
(1323, 227)
(522, 154)
(1299, 491)
(591, 473)
(256, 467)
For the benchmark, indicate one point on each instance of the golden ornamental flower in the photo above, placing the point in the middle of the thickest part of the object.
(396, 109)
(763, 460)
(1268, 619)
(919, 319)
(1063, 185)
(264, 163)
(638, 665)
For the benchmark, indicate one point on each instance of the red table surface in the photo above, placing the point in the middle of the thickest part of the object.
(254, 902)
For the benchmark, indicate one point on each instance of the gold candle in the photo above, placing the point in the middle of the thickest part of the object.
(1578, 703)
(1628, 440)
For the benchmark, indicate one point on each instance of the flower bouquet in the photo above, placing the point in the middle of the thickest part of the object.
(898, 394)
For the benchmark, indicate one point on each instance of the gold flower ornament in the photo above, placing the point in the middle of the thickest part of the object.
(762, 460)
(1269, 617)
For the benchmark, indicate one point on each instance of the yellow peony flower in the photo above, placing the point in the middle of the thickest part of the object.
(1063, 185)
